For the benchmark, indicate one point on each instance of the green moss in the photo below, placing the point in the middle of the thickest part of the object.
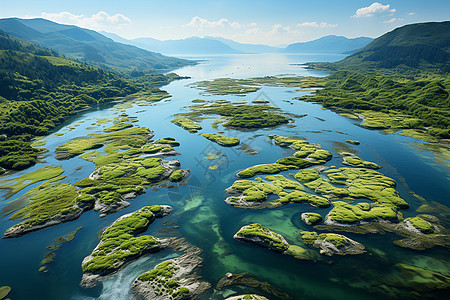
(221, 139)
(263, 169)
(117, 127)
(345, 213)
(284, 183)
(421, 224)
(304, 198)
(119, 241)
(21, 182)
(267, 237)
(307, 175)
(312, 218)
(295, 162)
(46, 201)
(177, 175)
(356, 161)
(323, 187)
(168, 141)
(353, 142)
(124, 139)
(4, 291)
(38, 143)
(187, 124)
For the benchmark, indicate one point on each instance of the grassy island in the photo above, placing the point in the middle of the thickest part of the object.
(248, 193)
(239, 115)
(263, 236)
(222, 139)
(332, 243)
(119, 244)
(187, 124)
(355, 161)
(226, 86)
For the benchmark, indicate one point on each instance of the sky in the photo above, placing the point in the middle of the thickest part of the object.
(270, 22)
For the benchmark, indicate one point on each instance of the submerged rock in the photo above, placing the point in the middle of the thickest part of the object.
(332, 243)
(173, 279)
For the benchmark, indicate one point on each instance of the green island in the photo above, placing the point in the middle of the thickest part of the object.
(247, 297)
(4, 291)
(225, 86)
(173, 279)
(187, 124)
(43, 89)
(355, 161)
(118, 178)
(332, 243)
(118, 126)
(221, 139)
(266, 238)
(311, 218)
(352, 142)
(17, 184)
(253, 194)
(119, 243)
(236, 115)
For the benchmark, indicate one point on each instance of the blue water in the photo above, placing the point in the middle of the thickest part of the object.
(199, 208)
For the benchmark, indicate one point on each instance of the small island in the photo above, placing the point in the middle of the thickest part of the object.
(332, 243)
(221, 139)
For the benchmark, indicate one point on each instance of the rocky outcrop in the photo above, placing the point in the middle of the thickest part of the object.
(173, 279)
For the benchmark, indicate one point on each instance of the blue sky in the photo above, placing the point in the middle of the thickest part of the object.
(273, 22)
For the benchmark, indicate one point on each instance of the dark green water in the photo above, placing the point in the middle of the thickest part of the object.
(208, 222)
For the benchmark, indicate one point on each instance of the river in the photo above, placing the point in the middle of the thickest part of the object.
(203, 217)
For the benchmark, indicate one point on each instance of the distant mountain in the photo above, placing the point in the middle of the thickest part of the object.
(89, 46)
(192, 45)
(419, 46)
(247, 48)
(329, 44)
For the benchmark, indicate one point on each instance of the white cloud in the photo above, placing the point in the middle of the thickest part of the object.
(200, 23)
(252, 24)
(374, 9)
(317, 25)
(98, 21)
(411, 13)
(390, 20)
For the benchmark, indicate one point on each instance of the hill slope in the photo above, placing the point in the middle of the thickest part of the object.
(329, 44)
(89, 46)
(39, 89)
(415, 46)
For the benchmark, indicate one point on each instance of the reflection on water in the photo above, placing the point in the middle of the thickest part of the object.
(199, 207)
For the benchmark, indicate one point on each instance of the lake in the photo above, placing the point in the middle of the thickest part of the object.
(203, 217)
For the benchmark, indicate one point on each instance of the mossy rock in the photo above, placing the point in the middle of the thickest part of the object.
(307, 175)
(222, 139)
(187, 124)
(311, 218)
(262, 236)
(4, 291)
(353, 142)
(420, 224)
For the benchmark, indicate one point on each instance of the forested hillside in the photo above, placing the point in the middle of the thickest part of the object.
(90, 46)
(39, 89)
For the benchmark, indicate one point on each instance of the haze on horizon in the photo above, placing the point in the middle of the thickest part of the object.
(264, 22)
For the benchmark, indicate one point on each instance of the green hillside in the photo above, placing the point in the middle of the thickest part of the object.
(89, 46)
(39, 89)
(407, 49)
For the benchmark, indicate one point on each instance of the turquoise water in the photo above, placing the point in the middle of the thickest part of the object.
(199, 208)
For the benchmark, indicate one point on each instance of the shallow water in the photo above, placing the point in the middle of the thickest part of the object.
(199, 208)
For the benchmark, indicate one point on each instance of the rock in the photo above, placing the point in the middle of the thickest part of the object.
(4, 291)
(262, 236)
(247, 297)
(179, 276)
(311, 218)
(332, 243)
